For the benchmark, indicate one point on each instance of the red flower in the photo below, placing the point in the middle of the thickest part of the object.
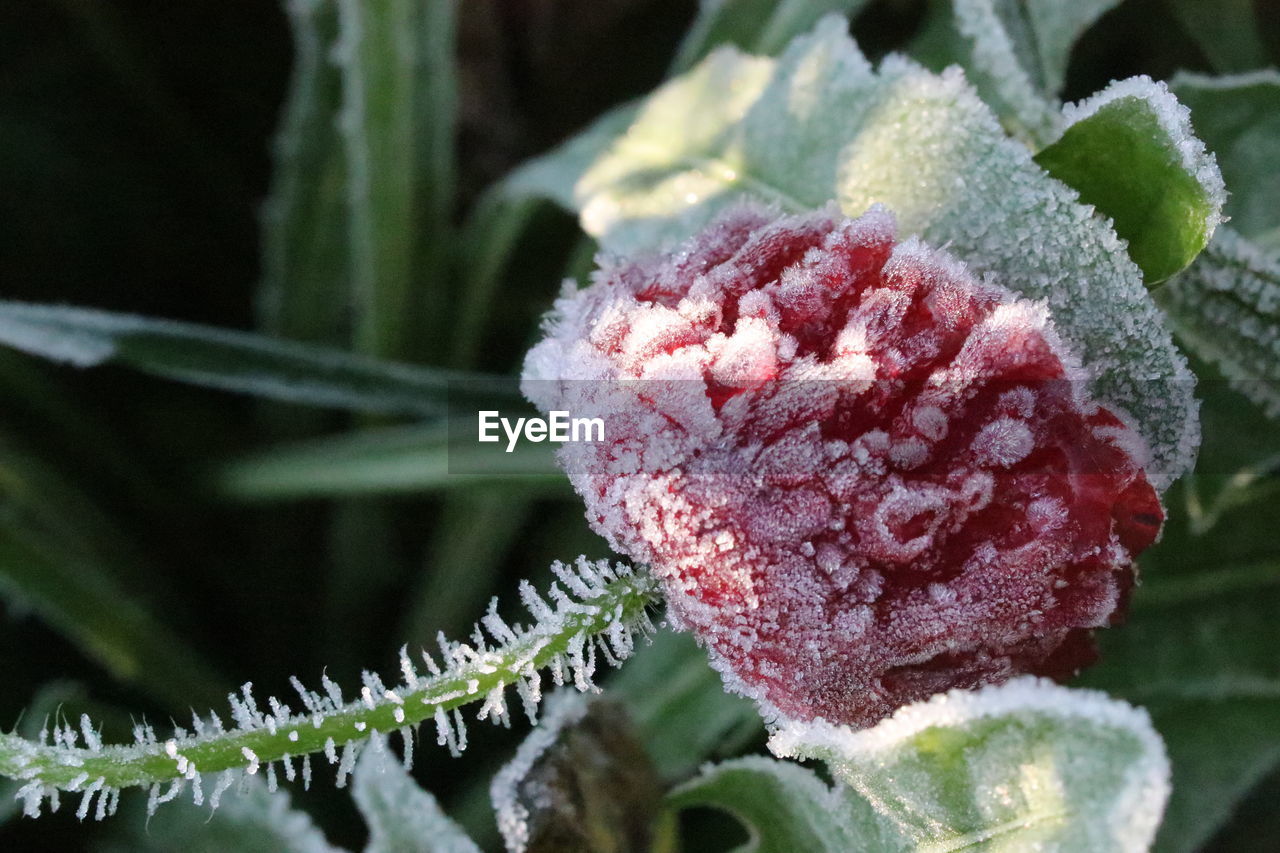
(863, 476)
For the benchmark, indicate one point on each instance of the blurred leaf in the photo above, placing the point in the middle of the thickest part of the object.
(473, 534)
(1130, 152)
(757, 26)
(1226, 307)
(680, 706)
(233, 361)
(387, 460)
(819, 124)
(64, 559)
(81, 600)
(581, 782)
(489, 240)
(402, 817)
(1238, 117)
(304, 220)
(788, 808)
(1239, 463)
(1020, 766)
(1226, 30)
(1202, 653)
(249, 819)
(396, 59)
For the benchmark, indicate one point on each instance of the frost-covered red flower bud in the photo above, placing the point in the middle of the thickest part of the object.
(863, 476)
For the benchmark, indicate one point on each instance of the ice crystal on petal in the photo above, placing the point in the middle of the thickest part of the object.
(863, 476)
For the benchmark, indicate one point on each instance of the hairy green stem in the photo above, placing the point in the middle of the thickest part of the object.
(603, 606)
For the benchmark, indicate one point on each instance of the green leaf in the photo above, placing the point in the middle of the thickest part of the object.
(786, 807)
(1226, 307)
(474, 533)
(397, 122)
(818, 124)
(1016, 53)
(81, 599)
(304, 219)
(249, 819)
(230, 360)
(1130, 152)
(1026, 765)
(1236, 472)
(386, 461)
(1202, 652)
(1238, 117)
(402, 817)
(758, 26)
(65, 560)
(680, 706)
(1226, 30)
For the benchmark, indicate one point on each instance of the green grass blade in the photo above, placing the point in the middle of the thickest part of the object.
(81, 600)
(386, 461)
(474, 532)
(227, 360)
(397, 128)
(304, 222)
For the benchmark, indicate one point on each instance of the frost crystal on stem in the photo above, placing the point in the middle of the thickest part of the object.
(604, 608)
(863, 476)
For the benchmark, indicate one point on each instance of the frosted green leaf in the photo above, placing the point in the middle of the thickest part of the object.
(1130, 152)
(302, 294)
(1015, 73)
(819, 124)
(228, 360)
(1025, 765)
(787, 808)
(1016, 54)
(1238, 116)
(402, 817)
(249, 819)
(1227, 307)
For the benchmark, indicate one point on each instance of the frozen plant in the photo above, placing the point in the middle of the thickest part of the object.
(863, 476)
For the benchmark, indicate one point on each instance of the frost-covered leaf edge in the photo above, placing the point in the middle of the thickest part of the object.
(1189, 174)
(854, 757)
(402, 817)
(1226, 307)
